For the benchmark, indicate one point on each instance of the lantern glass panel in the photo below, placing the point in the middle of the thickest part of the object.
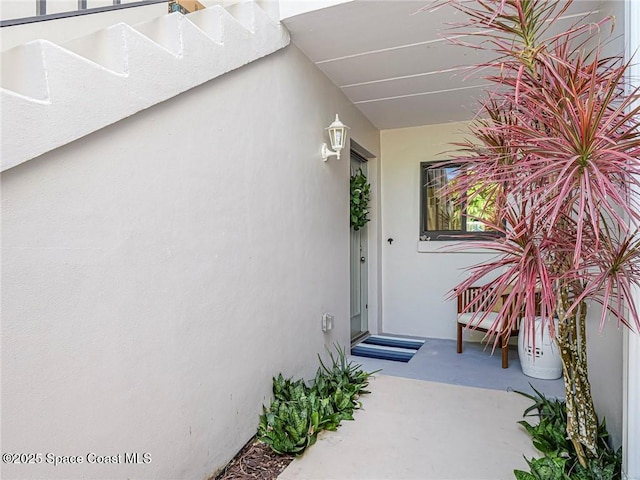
(337, 138)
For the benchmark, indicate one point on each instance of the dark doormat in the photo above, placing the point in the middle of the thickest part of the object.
(397, 349)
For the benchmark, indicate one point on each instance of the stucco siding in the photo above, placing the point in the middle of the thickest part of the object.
(157, 273)
(416, 278)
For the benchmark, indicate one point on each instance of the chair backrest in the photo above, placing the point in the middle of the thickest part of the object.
(474, 299)
(478, 299)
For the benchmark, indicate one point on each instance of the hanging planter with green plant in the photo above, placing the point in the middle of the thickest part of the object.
(360, 192)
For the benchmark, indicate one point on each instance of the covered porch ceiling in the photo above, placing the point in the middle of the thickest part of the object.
(390, 58)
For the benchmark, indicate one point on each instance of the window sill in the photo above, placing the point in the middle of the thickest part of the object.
(436, 246)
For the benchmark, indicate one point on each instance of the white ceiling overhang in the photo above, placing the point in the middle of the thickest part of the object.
(391, 58)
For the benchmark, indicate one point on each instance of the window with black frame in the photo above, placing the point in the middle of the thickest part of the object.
(443, 216)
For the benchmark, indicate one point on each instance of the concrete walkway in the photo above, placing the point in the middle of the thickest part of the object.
(412, 429)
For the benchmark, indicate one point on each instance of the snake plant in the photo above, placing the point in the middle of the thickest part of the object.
(299, 412)
(560, 460)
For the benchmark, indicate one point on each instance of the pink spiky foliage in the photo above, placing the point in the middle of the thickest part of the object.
(556, 148)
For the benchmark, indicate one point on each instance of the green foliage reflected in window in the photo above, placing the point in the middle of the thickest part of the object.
(480, 206)
(444, 215)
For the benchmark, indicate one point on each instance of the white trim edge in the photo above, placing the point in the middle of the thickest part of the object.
(631, 350)
(448, 246)
(631, 399)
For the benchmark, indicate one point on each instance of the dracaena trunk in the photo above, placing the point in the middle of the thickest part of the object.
(582, 421)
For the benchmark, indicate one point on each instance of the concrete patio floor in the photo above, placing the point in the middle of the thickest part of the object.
(414, 429)
(437, 361)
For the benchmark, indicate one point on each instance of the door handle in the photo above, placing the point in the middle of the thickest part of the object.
(362, 259)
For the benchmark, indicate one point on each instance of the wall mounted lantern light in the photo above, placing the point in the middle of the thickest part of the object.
(338, 137)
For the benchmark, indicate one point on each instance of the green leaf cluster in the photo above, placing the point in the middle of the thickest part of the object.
(360, 193)
(560, 460)
(299, 412)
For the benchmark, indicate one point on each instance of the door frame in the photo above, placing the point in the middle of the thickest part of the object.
(358, 264)
(373, 233)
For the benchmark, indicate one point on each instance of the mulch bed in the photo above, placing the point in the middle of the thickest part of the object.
(257, 461)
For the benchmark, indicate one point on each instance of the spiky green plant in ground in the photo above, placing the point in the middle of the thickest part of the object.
(299, 412)
(560, 460)
(557, 151)
(292, 425)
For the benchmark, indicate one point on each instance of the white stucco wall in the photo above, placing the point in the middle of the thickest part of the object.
(604, 354)
(605, 349)
(414, 283)
(631, 382)
(157, 273)
(64, 29)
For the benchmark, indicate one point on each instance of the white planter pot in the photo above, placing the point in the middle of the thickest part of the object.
(542, 360)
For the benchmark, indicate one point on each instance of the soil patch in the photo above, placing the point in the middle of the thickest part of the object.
(255, 461)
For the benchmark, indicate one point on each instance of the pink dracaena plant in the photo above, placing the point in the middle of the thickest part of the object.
(556, 149)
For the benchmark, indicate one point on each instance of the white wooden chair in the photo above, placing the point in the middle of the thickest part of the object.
(470, 301)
